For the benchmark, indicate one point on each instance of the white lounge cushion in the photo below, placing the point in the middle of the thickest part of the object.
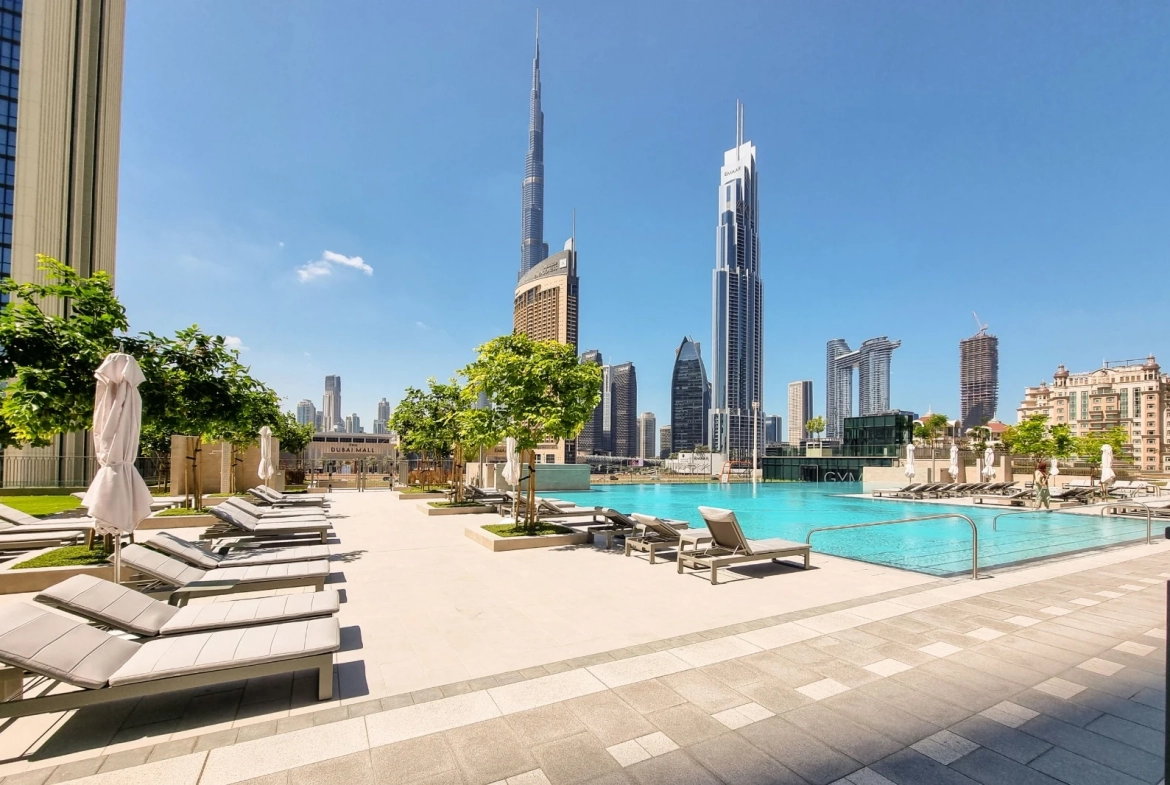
(252, 612)
(193, 554)
(775, 544)
(259, 573)
(109, 603)
(214, 651)
(272, 513)
(160, 566)
(59, 647)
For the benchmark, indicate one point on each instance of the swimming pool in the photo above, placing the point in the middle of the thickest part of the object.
(790, 510)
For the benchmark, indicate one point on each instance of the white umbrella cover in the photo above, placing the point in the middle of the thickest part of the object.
(265, 470)
(954, 470)
(117, 498)
(989, 463)
(910, 461)
(1107, 473)
(1053, 469)
(512, 467)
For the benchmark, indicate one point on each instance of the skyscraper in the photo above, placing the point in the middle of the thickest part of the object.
(978, 378)
(353, 424)
(625, 410)
(690, 398)
(647, 433)
(773, 429)
(606, 447)
(800, 410)
(60, 123)
(591, 440)
(544, 306)
(307, 413)
(380, 422)
(664, 442)
(533, 248)
(737, 318)
(331, 403)
(872, 362)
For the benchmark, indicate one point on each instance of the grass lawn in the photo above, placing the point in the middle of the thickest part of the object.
(542, 527)
(42, 505)
(457, 504)
(69, 556)
(173, 511)
(424, 489)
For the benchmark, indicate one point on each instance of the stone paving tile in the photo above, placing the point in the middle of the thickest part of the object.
(1116, 755)
(1131, 733)
(545, 724)
(1120, 707)
(739, 763)
(489, 751)
(924, 705)
(609, 718)
(807, 756)
(990, 768)
(945, 747)
(671, 769)
(408, 761)
(707, 693)
(862, 744)
(876, 715)
(913, 768)
(355, 769)
(1009, 742)
(574, 759)
(1071, 768)
(687, 724)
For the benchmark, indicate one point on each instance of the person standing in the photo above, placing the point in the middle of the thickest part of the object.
(1040, 482)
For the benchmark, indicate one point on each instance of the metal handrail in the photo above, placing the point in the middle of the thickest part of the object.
(1104, 507)
(974, 533)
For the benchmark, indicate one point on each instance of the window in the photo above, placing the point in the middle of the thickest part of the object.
(550, 459)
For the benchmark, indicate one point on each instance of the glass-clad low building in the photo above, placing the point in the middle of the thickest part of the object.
(877, 435)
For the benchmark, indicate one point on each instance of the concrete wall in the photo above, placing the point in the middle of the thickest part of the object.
(214, 463)
(895, 476)
(549, 476)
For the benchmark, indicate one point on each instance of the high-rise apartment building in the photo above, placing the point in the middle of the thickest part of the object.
(647, 433)
(60, 124)
(353, 424)
(546, 300)
(625, 410)
(319, 421)
(872, 362)
(307, 413)
(978, 378)
(533, 248)
(331, 403)
(690, 398)
(1130, 394)
(591, 440)
(773, 429)
(383, 417)
(800, 410)
(664, 442)
(737, 312)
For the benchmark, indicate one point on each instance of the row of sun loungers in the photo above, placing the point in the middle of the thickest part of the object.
(945, 489)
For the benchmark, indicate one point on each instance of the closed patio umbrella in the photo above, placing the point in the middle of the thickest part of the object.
(512, 472)
(954, 469)
(117, 498)
(910, 462)
(989, 464)
(1053, 469)
(266, 469)
(1107, 473)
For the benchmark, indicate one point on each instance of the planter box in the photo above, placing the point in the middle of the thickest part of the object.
(494, 542)
(201, 521)
(41, 578)
(421, 496)
(476, 510)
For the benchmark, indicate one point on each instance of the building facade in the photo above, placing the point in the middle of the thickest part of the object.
(331, 404)
(624, 380)
(307, 413)
(737, 308)
(664, 441)
(773, 429)
(591, 440)
(872, 362)
(533, 248)
(60, 123)
(545, 304)
(690, 398)
(878, 435)
(382, 420)
(353, 424)
(647, 434)
(800, 411)
(1130, 394)
(978, 378)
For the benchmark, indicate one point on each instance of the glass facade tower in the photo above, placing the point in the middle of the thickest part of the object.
(737, 308)
(872, 363)
(690, 398)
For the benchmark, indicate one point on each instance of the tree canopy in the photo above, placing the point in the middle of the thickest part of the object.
(1034, 438)
(815, 426)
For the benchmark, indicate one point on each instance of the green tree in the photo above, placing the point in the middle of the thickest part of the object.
(930, 430)
(294, 437)
(1088, 447)
(48, 359)
(539, 391)
(1030, 438)
(815, 426)
(423, 421)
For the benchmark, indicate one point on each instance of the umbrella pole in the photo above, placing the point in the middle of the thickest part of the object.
(118, 558)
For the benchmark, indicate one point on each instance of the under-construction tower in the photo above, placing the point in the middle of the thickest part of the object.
(978, 377)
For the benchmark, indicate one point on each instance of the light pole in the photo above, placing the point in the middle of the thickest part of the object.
(755, 438)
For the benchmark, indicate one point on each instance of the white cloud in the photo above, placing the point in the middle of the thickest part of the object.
(319, 268)
(234, 342)
(280, 245)
(422, 326)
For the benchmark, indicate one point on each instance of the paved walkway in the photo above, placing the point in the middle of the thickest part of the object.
(1053, 674)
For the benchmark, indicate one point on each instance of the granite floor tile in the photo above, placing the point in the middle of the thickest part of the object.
(923, 705)
(686, 724)
(609, 718)
(909, 767)
(1070, 768)
(649, 696)
(736, 762)
(574, 759)
(861, 743)
(876, 715)
(411, 760)
(808, 757)
(1068, 711)
(354, 769)
(1108, 752)
(990, 768)
(1009, 742)
(1130, 733)
(489, 751)
(673, 768)
(709, 694)
(545, 724)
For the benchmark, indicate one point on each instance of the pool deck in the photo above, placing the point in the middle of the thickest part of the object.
(848, 673)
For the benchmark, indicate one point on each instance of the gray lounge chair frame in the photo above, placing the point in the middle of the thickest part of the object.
(656, 534)
(19, 530)
(274, 513)
(88, 641)
(188, 582)
(116, 607)
(729, 545)
(237, 523)
(278, 499)
(192, 554)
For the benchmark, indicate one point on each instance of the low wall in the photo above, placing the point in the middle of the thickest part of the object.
(895, 476)
(549, 476)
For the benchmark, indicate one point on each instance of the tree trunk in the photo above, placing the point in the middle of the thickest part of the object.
(456, 470)
(197, 488)
(530, 515)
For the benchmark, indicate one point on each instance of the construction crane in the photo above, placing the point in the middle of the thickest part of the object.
(980, 326)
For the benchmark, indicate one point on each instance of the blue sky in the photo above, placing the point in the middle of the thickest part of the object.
(918, 161)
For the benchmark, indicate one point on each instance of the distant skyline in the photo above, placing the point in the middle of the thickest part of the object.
(356, 215)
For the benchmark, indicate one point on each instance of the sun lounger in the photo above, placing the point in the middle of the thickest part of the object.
(123, 608)
(277, 499)
(656, 534)
(192, 554)
(195, 582)
(274, 513)
(57, 648)
(1014, 499)
(916, 493)
(729, 546)
(893, 491)
(18, 528)
(237, 523)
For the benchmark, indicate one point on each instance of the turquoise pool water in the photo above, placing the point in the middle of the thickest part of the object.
(942, 547)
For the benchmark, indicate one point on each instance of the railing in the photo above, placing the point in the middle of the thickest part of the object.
(974, 533)
(52, 471)
(1105, 506)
